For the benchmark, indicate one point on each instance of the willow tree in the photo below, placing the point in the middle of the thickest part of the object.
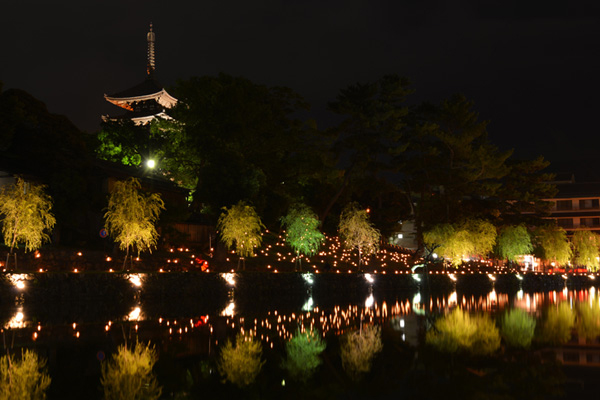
(241, 226)
(552, 244)
(456, 241)
(132, 215)
(514, 241)
(356, 231)
(586, 249)
(26, 215)
(302, 231)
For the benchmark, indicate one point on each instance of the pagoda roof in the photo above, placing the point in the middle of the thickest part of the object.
(149, 89)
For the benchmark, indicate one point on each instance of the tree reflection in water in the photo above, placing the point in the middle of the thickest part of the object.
(465, 357)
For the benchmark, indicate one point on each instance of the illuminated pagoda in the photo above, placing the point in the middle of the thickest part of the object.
(147, 100)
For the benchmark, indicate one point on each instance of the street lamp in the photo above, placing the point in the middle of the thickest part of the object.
(150, 163)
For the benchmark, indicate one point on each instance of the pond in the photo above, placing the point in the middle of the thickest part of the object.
(76, 323)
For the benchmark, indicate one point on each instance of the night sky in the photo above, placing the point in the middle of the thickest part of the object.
(531, 67)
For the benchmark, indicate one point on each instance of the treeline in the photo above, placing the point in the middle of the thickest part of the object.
(231, 139)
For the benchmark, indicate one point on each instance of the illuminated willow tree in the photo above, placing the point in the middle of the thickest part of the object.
(128, 374)
(552, 244)
(585, 249)
(24, 377)
(356, 231)
(26, 215)
(131, 216)
(302, 231)
(456, 241)
(514, 241)
(241, 226)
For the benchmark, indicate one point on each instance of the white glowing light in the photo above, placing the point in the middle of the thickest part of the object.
(136, 279)
(17, 321)
(492, 277)
(370, 300)
(229, 310)
(452, 276)
(134, 315)
(18, 280)
(151, 163)
(308, 278)
(229, 278)
(417, 298)
(308, 306)
(369, 278)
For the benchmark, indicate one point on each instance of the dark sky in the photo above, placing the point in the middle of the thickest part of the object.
(530, 66)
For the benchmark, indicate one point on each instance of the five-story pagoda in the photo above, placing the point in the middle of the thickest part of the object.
(146, 100)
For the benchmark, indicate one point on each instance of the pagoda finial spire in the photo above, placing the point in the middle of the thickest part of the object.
(151, 56)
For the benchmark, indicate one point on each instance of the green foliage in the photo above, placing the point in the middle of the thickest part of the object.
(585, 249)
(358, 350)
(241, 363)
(234, 136)
(556, 327)
(128, 375)
(302, 355)
(26, 214)
(302, 230)
(452, 170)
(241, 226)
(369, 136)
(356, 230)
(461, 332)
(588, 321)
(23, 378)
(131, 216)
(518, 328)
(514, 241)
(456, 241)
(552, 244)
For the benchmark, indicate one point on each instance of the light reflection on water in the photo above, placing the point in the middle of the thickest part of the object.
(273, 324)
(407, 314)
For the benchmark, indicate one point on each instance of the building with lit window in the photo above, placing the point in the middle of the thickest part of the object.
(576, 207)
